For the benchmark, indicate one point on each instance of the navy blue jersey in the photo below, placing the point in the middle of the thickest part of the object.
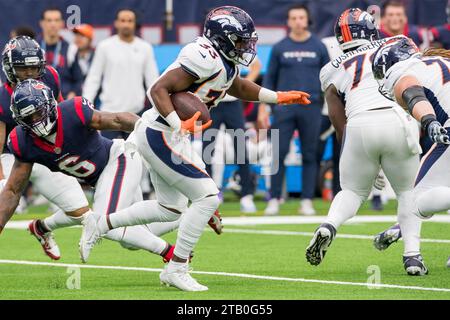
(50, 78)
(78, 150)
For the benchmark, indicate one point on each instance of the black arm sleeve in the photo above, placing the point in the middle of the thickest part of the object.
(413, 95)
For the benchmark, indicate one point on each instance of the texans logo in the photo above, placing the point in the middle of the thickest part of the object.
(9, 47)
(39, 86)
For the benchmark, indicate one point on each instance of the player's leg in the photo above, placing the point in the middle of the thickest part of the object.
(309, 124)
(284, 125)
(115, 190)
(66, 193)
(400, 167)
(173, 158)
(356, 182)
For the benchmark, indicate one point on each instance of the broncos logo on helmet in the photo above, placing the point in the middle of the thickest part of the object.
(355, 28)
(232, 33)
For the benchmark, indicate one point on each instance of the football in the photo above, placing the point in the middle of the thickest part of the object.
(186, 104)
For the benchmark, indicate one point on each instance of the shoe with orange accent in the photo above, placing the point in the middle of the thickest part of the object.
(293, 97)
(216, 222)
(46, 240)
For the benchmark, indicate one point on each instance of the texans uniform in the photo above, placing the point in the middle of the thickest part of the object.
(85, 154)
(434, 75)
(173, 163)
(58, 188)
(378, 131)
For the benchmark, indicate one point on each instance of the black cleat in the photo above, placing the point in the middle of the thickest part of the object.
(319, 244)
(415, 266)
(383, 240)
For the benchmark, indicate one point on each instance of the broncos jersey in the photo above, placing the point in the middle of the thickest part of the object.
(351, 74)
(50, 78)
(78, 151)
(433, 73)
(214, 76)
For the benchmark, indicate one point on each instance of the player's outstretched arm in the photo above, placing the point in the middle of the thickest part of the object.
(117, 121)
(410, 94)
(336, 111)
(250, 91)
(10, 195)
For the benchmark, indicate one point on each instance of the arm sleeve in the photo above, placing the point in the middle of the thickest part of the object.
(151, 72)
(271, 77)
(94, 77)
(14, 146)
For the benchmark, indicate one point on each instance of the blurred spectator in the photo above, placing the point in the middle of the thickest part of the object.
(394, 22)
(295, 64)
(124, 66)
(56, 49)
(23, 31)
(441, 34)
(83, 51)
(231, 113)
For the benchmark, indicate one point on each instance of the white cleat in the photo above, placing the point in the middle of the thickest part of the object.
(90, 236)
(306, 208)
(273, 208)
(247, 204)
(46, 240)
(179, 277)
(448, 262)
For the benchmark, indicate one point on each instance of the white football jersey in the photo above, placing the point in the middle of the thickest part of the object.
(351, 74)
(214, 76)
(433, 73)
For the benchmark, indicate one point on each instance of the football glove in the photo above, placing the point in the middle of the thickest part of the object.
(293, 97)
(437, 133)
(191, 125)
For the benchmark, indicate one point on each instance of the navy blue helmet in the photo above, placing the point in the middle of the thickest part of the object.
(232, 33)
(22, 51)
(33, 107)
(355, 28)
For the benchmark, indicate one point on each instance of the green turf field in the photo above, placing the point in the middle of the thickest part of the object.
(244, 263)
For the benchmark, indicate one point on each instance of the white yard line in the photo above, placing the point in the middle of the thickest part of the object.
(227, 274)
(310, 234)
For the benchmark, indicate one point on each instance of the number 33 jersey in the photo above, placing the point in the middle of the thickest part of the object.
(351, 74)
(214, 75)
(78, 150)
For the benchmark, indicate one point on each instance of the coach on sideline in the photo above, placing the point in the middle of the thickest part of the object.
(123, 66)
(295, 64)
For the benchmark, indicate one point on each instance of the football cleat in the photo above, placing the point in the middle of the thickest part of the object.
(448, 262)
(90, 236)
(216, 222)
(415, 266)
(247, 204)
(384, 239)
(306, 208)
(320, 243)
(273, 208)
(46, 240)
(179, 277)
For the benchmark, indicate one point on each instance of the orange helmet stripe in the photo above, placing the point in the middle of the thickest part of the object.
(344, 26)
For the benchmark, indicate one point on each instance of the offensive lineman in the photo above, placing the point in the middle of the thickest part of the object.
(419, 83)
(378, 134)
(207, 67)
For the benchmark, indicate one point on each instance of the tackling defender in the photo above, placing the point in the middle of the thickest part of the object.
(207, 67)
(419, 83)
(23, 58)
(378, 134)
(64, 138)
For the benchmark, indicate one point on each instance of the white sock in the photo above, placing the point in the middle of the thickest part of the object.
(193, 223)
(173, 266)
(161, 228)
(143, 212)
(345, 205)
(410, 224)
(433, 200)
(137, 237)
(61, 220)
